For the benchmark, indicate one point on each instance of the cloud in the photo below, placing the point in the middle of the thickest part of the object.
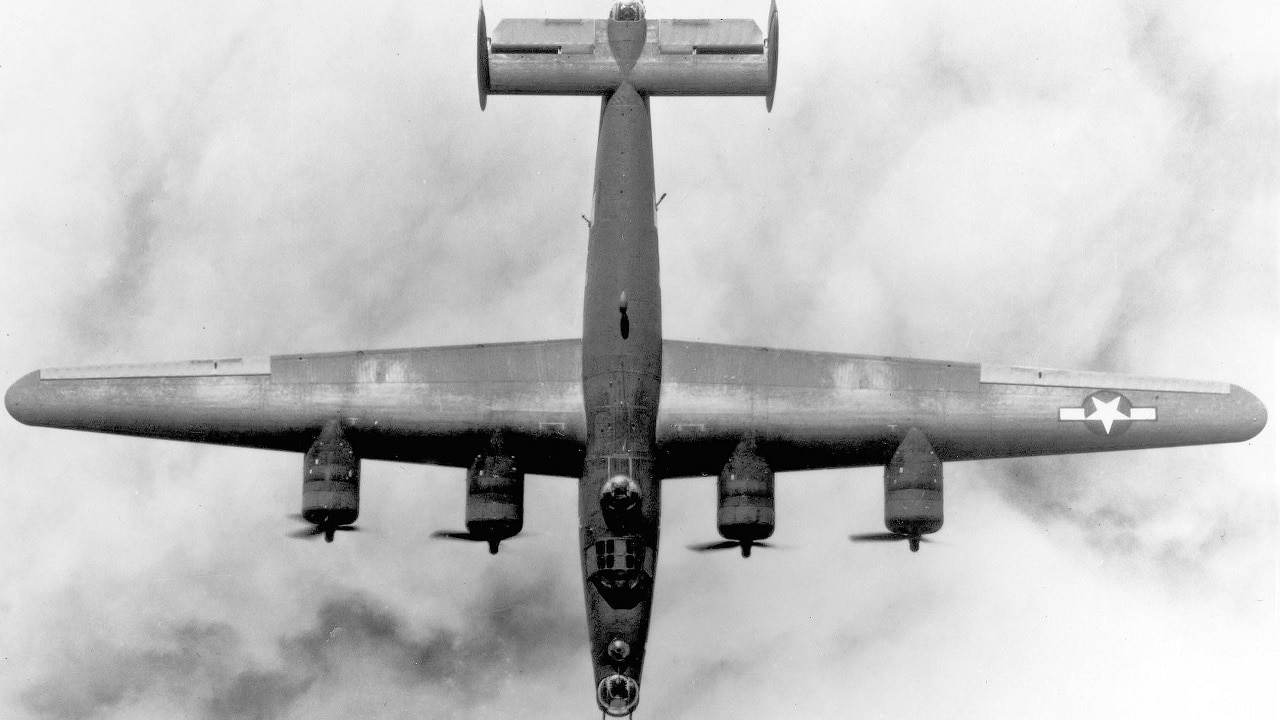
(195, 662)
(520, 626)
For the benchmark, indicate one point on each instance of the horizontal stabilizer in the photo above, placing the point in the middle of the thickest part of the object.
(656, 57)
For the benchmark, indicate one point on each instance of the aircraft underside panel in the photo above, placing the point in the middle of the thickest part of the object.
(806, 410)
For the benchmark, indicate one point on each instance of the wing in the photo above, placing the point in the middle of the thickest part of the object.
(821, 410)
(807, 410)
(433, 405)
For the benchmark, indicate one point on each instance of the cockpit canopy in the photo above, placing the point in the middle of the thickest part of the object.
(627, 11)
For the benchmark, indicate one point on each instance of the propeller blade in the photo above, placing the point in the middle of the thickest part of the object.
(877, 537)
(913, 540)
(317, 530)
(464, 535)
(456, 535)
(471, 537)
(744, 545)
(722, 545)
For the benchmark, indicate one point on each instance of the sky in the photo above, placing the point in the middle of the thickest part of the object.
(1086, 185)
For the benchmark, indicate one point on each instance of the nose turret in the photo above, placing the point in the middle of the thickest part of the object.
(618, 695)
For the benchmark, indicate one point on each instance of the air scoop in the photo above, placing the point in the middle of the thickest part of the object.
(618, 695)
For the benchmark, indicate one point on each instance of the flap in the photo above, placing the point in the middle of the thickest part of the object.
(538, 36)
(737, 36)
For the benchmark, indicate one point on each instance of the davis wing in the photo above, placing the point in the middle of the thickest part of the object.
(806, 410)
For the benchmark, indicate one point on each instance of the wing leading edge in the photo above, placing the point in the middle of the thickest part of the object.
(806, 410)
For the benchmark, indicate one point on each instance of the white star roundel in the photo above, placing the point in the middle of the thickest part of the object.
(1106, 412)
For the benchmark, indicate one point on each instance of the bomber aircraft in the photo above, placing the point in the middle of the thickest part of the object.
(623, 408)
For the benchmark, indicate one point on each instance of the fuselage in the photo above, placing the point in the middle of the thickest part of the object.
(619, 497)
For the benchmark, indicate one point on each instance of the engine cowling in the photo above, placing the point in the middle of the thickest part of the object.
(745, 511)
(495, 498)
(331, 480)
(913, 489)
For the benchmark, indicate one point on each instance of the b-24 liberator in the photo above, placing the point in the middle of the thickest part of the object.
(622, 408)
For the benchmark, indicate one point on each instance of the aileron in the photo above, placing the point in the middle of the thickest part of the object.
(188, 368)
(1014, 375)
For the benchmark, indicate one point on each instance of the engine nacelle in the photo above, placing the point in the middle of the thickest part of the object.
(913, 488)
(745, 512)
(331, 480)
(495, 498)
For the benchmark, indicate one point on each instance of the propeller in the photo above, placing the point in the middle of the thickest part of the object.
(469, 537)
(326, 530)
(914, 540)
(744, 545)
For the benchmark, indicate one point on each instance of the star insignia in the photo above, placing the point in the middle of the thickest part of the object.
(1106, 412)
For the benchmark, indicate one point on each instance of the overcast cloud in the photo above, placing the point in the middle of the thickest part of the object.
(1082, 185)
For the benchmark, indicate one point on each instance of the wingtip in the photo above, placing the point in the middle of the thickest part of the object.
(18, 400)
(1250, 410)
